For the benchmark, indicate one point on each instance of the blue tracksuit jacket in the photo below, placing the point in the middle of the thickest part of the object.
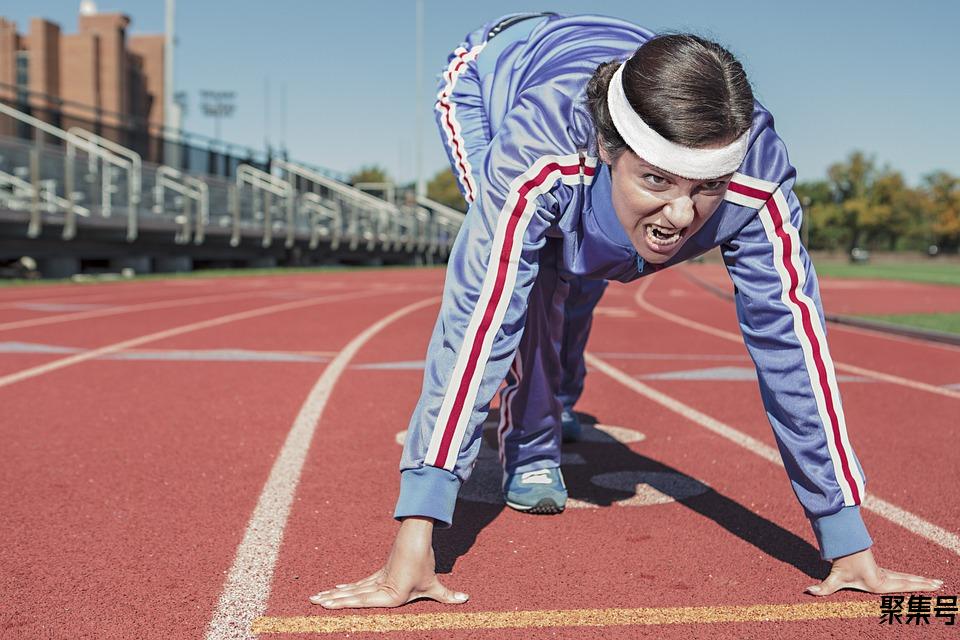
(539, 180)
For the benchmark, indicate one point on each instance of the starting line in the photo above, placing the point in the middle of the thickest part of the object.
(564, 618)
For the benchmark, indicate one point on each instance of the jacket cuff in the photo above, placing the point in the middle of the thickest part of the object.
(841, 533)
(429, 492)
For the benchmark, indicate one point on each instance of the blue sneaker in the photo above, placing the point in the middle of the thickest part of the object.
(541, 491)
(570, 426)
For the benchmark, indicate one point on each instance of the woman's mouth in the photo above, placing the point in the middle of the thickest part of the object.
(661, 239)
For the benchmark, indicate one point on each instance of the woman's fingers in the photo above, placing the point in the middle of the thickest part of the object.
(346, 591)
(440, 593)
(377, 598)
(381, 595)
(829, 586)
(913, 578)
(373, 577)
(883, 581)
(898, 583)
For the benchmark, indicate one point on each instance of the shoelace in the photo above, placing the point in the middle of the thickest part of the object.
(541, 476)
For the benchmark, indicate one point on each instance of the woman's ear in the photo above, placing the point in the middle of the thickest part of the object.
(604, 154)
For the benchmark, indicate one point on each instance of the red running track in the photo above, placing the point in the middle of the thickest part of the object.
(128, 484)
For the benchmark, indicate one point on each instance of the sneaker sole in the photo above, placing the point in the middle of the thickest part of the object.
(546, 506)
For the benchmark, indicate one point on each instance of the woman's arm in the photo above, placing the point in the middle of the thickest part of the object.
(492, 268)
(781, 318)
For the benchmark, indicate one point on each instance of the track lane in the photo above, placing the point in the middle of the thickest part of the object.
(915, 360)
(623, 549)
(149, 471)
(880, 417)
(609, 556)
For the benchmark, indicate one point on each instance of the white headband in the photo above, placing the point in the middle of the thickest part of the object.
(687, 162)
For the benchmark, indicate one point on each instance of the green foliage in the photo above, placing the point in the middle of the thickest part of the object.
(863, 205)
(371, 173)
(443, 188)
(943, 209)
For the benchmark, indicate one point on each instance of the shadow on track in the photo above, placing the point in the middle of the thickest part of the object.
(597, 472)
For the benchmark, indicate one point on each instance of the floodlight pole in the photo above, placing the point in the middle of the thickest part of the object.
(418, 129)
(172, 114)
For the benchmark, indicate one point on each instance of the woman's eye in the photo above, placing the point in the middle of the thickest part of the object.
(654, 179)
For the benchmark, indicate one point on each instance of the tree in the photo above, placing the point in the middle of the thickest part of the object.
(371, 173)
(942, 192)
(443, 188)
(819, 215)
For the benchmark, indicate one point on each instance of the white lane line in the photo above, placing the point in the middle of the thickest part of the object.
(872, 333)
(147, 306)
(734, 337)
(111, 311)
(912, 523)
(620, 355)
(719, 291)
(247, 587)
(33, 372)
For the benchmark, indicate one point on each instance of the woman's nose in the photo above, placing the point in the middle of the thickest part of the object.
(679, 211)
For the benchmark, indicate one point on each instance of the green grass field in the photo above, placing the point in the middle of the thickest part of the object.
(932, 272)
(946, 322)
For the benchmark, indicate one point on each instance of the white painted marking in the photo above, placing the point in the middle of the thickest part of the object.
(33, 372)
(485, 484)
(615, 312)
(111, 311)
(623, 435)
(56, 306)
(644, 488)
(247, 587)
(161, 304)
(672, 356)
(872, 333)
(723, 374)
(891, 512)
(186, 355)
(405, 365)
(734, 337)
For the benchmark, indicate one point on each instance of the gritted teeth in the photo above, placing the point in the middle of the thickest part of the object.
(662, 236)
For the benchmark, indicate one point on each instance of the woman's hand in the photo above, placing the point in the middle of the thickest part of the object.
(410, 573)
(860, 571)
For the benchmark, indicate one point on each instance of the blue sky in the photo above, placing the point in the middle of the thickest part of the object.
(879, 76)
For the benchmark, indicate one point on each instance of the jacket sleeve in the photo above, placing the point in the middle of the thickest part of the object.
(781, 318)
(527, 174)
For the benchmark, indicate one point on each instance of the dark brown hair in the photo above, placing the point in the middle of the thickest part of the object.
(690, 90)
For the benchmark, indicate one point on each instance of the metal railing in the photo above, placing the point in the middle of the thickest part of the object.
(97, 156)
(320, 212)
(50, 171)
(263, 186)
(46, 194)
(190, 190)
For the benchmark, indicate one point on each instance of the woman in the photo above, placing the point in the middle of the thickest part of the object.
(581, 168)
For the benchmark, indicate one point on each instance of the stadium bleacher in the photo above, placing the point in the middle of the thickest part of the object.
(71, 198)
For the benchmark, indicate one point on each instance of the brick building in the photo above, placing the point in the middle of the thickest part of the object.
(99, 75)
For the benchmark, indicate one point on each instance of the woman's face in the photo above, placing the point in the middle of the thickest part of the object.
(660, 210)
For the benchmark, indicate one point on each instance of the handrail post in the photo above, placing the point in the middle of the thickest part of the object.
(187, 211)
(132, 220)
(69, 170)
(233, 195)
(291, 215)
(33, 229)
(267, 219)
(204, 215)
